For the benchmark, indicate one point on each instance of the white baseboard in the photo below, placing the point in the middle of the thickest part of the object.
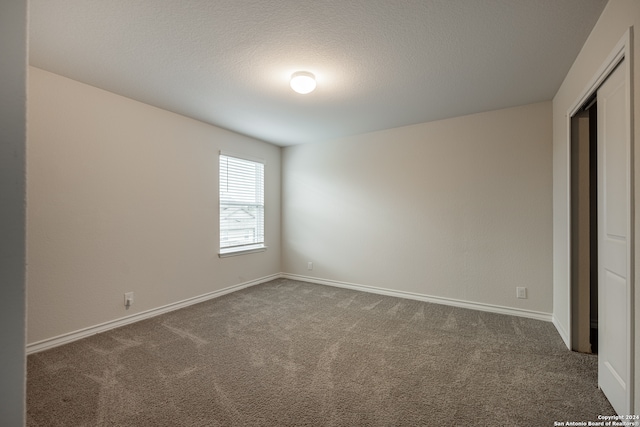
(563, 333)
(538, 315)
(103, 327)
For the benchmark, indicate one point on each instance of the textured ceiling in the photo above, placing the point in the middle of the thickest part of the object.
(379, 63)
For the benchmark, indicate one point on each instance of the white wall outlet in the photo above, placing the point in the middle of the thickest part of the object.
(128, 299)
(309, 265)
(521, 292)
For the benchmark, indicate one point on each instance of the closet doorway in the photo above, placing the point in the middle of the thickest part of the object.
(601, 226)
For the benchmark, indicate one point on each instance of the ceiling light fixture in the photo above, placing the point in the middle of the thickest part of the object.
(303, 82)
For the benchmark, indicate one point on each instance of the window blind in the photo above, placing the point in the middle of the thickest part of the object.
(241, 204)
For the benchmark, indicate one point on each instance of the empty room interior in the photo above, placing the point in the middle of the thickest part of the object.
(444, 226)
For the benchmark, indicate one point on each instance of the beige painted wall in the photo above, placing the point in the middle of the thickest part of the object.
(13, 110)
(581, 237)
(123, 197)
(617, 17)
(458, 208)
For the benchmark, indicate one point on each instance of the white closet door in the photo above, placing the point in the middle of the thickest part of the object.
(614, 224)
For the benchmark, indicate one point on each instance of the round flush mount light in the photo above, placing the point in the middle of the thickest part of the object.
(303, 82)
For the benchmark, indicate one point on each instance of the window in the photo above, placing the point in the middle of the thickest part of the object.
(241, 206)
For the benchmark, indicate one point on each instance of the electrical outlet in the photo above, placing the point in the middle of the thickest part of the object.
(521, 292)
(309, 265)
(128, 299)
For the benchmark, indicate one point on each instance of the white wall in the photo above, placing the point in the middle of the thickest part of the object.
(616, 18)
(123, 197)
(13, 97)
(459, 208)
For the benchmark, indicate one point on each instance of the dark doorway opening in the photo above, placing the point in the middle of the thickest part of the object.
(584, 228)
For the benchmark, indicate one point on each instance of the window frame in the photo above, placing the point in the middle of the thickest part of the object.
(224, 252)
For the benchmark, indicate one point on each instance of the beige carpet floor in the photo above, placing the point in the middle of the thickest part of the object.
(288, 353)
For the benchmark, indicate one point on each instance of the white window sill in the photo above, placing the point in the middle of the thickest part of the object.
(224, 253)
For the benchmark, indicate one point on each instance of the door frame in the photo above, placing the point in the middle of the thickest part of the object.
(623, 50)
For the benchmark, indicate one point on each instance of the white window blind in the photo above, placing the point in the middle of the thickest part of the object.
(241, 204)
